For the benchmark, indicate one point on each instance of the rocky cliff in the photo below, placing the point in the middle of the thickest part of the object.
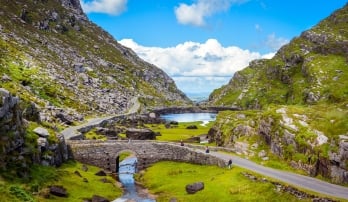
(20, 148)
(52, 55)
(296, 104)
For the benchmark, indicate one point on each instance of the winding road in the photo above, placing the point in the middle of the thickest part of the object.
(304, 182)
(71, 132)
(297, 180)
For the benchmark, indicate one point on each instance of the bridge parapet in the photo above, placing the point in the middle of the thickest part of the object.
(104, 154)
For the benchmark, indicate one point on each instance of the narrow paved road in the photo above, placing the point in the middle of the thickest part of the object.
(297, 180)
(72, 131)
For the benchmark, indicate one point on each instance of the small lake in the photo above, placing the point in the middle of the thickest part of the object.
(190, 117)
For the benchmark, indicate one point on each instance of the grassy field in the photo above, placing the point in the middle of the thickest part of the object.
(179, 132)
(168, 180)
(43, 176)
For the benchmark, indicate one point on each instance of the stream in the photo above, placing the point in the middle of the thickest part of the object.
(132, 192)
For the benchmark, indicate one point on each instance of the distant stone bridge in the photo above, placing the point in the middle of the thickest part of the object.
(105, 154)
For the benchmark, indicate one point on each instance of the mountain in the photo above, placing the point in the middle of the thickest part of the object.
(294, 107)
(311, 69)
(53, 56)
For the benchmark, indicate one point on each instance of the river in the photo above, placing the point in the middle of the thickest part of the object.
(126, 177)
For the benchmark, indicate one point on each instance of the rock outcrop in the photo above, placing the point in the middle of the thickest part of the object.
(20, 148)
(291, 133)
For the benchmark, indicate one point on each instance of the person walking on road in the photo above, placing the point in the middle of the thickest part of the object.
(229, 164)
(206, 149)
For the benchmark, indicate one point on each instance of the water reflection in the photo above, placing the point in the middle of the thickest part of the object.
(190, 117)
(126, 172)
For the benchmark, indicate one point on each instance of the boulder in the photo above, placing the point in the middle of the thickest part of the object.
(58, 191)
(42, 132)
(193, 188)
(192, 127)
(65, 118)
(100, 173)
(140, 134)
(97, 198)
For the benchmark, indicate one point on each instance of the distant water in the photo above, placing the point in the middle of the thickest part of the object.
(198, 97)
(190, 117)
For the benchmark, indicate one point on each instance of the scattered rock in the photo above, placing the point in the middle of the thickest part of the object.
(42, 132)
(77, 173)
(84, 168)
(96, 198)
(140, 134)
(192, 127)
(58, 191)
(65, 118)
(100, 173)
(262, 153)
(193, 188)
(104, 180)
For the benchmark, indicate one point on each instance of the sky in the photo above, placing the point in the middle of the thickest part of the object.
(202, 43)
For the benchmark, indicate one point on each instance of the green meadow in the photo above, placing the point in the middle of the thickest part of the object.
(167, 180)
(179, 132)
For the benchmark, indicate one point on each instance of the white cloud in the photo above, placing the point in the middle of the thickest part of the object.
(112, 7)
(196, 13)
(197, 67)
(196, 59)
(274, 42)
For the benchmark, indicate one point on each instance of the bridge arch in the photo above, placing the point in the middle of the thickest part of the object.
(104, 153)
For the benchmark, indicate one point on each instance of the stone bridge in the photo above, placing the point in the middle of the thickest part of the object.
(105, 154)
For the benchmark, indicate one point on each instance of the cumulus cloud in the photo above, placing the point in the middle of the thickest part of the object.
(192, 59)
(197, 67)
(111, 7)
(196, 13)
(274, 42)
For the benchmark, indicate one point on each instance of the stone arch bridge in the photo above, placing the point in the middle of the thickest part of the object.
(105, 154)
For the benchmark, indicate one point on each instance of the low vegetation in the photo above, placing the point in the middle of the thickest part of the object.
(180, 131)
(36, 188)
(167, 180)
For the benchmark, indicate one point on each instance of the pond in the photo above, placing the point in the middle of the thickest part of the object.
(190, 117)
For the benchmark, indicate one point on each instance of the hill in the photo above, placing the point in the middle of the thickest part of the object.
(294, 107)
(53, 56)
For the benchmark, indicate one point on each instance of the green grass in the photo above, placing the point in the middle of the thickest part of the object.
(41, 177)
(79, 190)
(92, 135)
(179, 132)
(168, 180)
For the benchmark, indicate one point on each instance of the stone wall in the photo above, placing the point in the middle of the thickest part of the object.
(104, 153)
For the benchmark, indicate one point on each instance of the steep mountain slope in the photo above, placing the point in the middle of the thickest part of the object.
(295, 104)
(312, 68)
(51, 54)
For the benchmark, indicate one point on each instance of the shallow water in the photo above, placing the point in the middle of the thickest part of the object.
(190, 117)
(126, 172)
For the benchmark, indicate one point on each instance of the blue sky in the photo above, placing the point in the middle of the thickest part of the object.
(201, 43)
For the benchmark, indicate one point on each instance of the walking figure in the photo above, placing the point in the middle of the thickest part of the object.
(229, 164)
(206, 149)
(181, 143)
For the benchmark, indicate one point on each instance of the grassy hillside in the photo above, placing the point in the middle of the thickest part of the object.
(53, 55)
(312, 68)
(296, 104)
